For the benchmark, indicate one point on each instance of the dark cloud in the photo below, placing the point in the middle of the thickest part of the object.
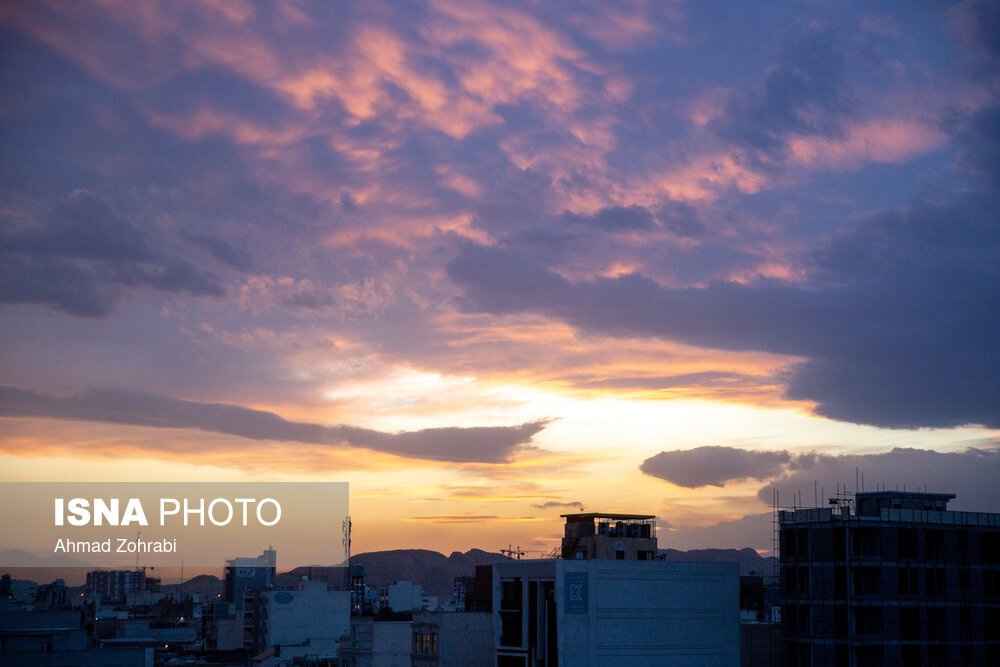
(681, 219)
(82, 256)
(614, 218)
(239, 259)
(677, 217)
(971, 474)
(347, 203)
(980, 138)
(976, 24)
(803, 92)
(808, 479)
(476, 444)
(899, 321)
(552, 503)
(714, 465)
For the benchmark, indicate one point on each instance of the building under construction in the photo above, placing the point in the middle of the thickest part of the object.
(892, 578)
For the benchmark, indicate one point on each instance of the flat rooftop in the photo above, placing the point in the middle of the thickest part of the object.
(608, 515)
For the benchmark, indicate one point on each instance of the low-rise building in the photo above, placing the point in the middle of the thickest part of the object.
(307, 621)
(601, 613)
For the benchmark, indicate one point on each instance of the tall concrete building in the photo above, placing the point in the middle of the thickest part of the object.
(893, 578)
(116, 585)
(244, 575)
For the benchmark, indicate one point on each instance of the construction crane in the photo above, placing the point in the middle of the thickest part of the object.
(512, 552)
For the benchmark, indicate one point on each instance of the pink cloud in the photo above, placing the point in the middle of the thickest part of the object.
(626, 26)
(890, 140)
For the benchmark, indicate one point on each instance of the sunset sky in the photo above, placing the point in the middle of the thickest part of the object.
(490, 263)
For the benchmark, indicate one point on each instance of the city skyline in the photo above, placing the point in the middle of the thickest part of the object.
(492, 263)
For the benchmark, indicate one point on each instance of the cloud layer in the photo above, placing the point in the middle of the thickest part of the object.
(898, 323)
(82, 256)
(971, 473)
(476, 444)
(714, 465)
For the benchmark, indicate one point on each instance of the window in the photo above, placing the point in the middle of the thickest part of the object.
(511, 612)
(511, 661)
(868, 620)
(865, 541)
(907, 541)
(803, 580)
(425, 642)
(868, 656)
(866, 580)
(791, 617)
(803, 542)
(804, 624)
(909, 581)
(788, 542)
(840, 582)
(839, 551)
(934, 541)
(936, 624)
(992, 624)
(909, 623)
(840, 622)
(790, 580)
(991, 583)
(797, 580)
(991, 547)
(936, 582)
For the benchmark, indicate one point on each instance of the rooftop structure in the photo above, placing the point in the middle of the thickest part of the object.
(611, 536)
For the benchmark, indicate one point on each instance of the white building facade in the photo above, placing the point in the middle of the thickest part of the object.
(602, 613)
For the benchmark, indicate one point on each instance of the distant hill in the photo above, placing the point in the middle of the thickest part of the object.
(434, 571)
(203, 584)
(749, 560)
